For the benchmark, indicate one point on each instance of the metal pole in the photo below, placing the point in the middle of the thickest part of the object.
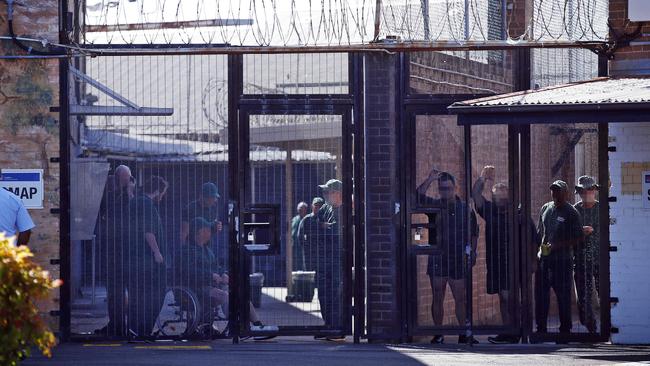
(64, 180)
(377, 20)
(426, 19)
(93, 267)
(468, 222)
(288, 168)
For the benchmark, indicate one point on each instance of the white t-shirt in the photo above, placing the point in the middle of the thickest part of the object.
(13, 214)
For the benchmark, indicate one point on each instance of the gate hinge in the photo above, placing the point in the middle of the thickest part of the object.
(613, 248)
(613, 330)
(55, 211)
(612, 199)
(613, 299)
(55, 262)
(611, 148)
(55, 159)
(55, 312)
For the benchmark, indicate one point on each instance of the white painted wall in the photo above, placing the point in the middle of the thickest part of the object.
(630, 265)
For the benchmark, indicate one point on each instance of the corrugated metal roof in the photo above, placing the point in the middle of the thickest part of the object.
(157, 148)
(597, 91)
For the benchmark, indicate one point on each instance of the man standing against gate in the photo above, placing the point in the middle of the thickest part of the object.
(587, 253)
(449, 266)
(114, 221)
(497, 244)
(329, 256)
(560, 230)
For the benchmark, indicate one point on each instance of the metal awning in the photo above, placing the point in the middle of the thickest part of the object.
(600, 100)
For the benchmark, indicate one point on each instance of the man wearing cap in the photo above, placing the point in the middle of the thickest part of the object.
(207, 208)
(587, 254)
(298, 250)
(329, 254)
(560, 231)
(307, 231)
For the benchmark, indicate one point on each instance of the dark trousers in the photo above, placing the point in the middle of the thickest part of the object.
(298, 256)
(147, 289)
(555, 273)
(329, 297)
(115, 288)
(587, 291)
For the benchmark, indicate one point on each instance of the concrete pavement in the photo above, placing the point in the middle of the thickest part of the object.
(302, 351)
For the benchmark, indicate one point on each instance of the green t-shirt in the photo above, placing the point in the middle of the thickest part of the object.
(144, 218)
(558, 224)
(194, 266)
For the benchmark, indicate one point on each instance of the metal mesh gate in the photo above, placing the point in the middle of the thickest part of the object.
(155, 213)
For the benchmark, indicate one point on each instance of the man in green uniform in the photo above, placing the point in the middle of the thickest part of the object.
(146, 283)
(307, 232)
(330, 255)
(588, 253)
(298, 250)
(560, 231)
(206, 207)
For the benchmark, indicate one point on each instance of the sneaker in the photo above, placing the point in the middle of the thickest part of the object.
(336, 338)
(438, 339)
(463, 339)
(503, 339)
(263, 338)
(258, 326)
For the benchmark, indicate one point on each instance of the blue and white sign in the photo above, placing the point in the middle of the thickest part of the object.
(27, 184)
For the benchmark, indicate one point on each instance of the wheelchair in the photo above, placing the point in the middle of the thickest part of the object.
(186, 316)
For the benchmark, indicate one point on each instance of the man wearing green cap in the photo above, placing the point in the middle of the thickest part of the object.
(588, 253)
(307, 234)
(207, 208)
(560, 230)
(329, 255)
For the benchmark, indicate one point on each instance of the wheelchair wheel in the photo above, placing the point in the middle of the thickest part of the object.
(180, 316)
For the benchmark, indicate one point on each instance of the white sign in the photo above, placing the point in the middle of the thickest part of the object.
(645, 182)
(638, 10)
(27, 184)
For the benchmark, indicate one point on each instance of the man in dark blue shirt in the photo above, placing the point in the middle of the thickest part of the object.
(457, 238)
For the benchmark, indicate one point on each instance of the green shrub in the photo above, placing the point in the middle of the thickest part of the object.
(22, 283)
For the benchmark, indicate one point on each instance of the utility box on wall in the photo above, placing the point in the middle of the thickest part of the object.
(638, 10)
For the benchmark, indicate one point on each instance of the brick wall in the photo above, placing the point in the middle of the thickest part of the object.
(29, 134)
(629, 232)
(628, 59)
(381, 186)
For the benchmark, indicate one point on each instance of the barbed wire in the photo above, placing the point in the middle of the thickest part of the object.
(294, 23)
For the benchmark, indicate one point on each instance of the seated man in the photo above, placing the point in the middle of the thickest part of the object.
(197, 269)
